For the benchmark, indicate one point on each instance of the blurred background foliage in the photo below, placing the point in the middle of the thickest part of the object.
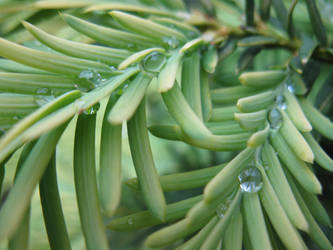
(170, 157)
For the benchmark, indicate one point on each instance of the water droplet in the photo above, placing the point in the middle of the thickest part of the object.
(281, 102)
(16, 118)
(172, 42)
(86, 74)
(89, 79)
(274, 118)
(250, 180)
(81, 88)
(130, 46)
(222, 209)
(154, 62)
(92, 110)
(291, 87)
(103, 81)
(42, 91)
(130, 221)
(41, 100)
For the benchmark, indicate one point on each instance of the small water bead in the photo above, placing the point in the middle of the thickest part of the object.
(172, 41)
(86, 74)
(113, 68)
(41, 100)
(130, 221)
(81, 88)
(291, 87)
(103, 81)
(281, 102)
(42, 91)
(92, 110)
(274, 118)
(130, 46)
(89, 79)
(250, 180)
(154, 62)
(222, 209)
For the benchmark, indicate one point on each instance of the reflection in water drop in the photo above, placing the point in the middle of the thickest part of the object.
(250, 180)
(153, 62)
(274, 118)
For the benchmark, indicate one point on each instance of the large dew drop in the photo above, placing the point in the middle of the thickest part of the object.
(274, 118)
(250, 180)
(154, 62)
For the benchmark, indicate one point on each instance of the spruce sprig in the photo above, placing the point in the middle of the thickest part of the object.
(233, 76)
